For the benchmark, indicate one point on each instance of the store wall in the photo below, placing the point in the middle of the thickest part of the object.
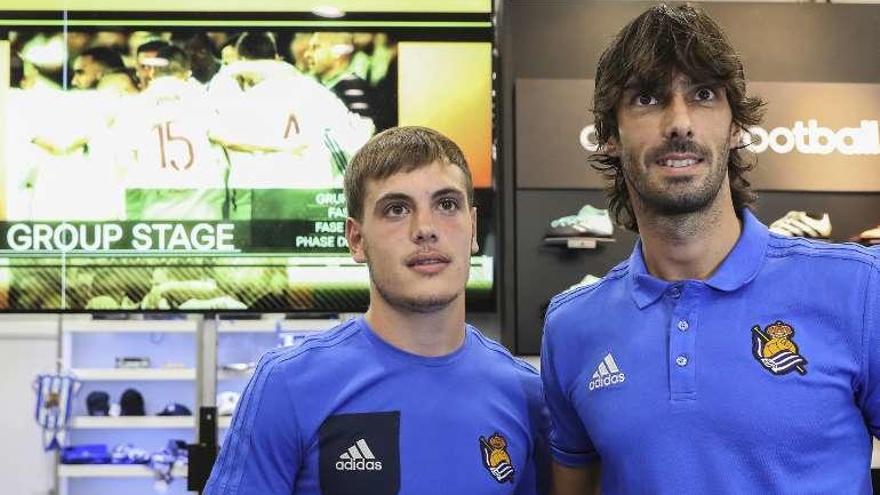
(28, 347)
(824, 71)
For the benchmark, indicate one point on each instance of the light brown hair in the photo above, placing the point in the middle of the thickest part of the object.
(396, 150)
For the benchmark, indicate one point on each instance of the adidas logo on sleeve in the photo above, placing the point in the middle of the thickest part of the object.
(606, 374)
(358, 457)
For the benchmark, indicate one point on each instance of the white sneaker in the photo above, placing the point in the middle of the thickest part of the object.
(871, 234)
(589, 279)
(803, 224)
(589, 222)
(870, 237)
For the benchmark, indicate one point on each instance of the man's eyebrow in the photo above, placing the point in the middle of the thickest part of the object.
(399, 196)
(661, 86)
(448, 191)
(642, 85)
(393, 196)
(703, 81)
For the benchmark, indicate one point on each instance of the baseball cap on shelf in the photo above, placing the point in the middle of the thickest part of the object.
(175, 409)
(98, 403)
(131, 403)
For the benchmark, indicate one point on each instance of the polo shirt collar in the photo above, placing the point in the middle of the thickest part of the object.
(740, 266)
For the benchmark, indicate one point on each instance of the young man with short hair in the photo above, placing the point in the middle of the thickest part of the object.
(407, 399)
(719, 358)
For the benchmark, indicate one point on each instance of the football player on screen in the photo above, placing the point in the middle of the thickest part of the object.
(281, 128)
(173, 171)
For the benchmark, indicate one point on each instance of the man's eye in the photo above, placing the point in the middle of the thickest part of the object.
(645, 99)
(448, 205)
(705, 94)
(396, 210)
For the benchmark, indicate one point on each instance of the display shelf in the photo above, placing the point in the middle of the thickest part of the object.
(112, 471)
(271, 326)
(89, 349)
(134, 374)
(234, 375)
(119, 422)
(577, 242)
(129, 326)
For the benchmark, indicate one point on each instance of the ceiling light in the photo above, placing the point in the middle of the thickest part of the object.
(328, 11)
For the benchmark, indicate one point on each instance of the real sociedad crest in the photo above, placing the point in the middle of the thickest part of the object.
(496, 458)
(775, 350)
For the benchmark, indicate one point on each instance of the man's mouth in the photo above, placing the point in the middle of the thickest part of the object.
(428, 262)
(421, 259)
(678, 160)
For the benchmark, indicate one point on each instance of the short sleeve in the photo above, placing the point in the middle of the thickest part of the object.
(869, 396)
(262, 452)
(535, 478)
(570, 444)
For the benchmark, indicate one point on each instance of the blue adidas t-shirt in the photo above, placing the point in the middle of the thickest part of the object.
(347, 413)
(765, 378)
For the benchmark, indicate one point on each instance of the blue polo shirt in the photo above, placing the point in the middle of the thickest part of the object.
(347, 413)
(763, 379)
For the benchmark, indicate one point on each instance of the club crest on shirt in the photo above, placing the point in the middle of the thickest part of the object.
(496, 459)
(774, 348)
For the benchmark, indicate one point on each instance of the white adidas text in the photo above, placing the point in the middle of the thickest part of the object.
(358, 457)
(606, 374)
(359, 465)
(605, 381)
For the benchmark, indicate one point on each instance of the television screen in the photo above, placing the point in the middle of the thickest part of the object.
(194, 162)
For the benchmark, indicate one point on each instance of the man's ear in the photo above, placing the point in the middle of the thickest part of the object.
(475, 247)
(736, 134)
(611, 147)
(355, 239)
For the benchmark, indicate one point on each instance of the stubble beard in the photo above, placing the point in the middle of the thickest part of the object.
(676, 196)
(397, 297)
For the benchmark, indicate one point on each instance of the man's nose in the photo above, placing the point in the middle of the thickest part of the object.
(677, 122)
(423, 229)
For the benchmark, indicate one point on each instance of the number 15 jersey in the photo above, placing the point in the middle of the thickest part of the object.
(164, 138)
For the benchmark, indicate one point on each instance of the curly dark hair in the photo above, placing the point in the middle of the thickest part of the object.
(648, 51)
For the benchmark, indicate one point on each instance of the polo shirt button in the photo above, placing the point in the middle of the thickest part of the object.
(683, 325)
(682, 361)
(675, 292)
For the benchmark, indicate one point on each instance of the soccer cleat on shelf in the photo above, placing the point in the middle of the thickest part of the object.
(589, 222)
(870, 237)
(803, 224)
(589, 279)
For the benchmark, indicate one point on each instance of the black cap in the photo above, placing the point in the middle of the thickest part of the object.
(98, 403)
(131, 403)
(175, 409)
